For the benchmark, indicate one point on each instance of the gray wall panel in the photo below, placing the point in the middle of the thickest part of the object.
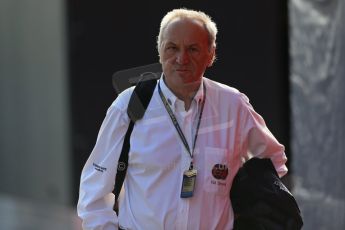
(317, 50)
(34, 133)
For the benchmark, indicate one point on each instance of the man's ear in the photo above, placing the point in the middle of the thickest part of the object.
(212, 56)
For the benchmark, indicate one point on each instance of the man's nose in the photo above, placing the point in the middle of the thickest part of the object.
(182, 57)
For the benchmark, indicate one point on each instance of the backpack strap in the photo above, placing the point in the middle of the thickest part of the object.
(137, 106)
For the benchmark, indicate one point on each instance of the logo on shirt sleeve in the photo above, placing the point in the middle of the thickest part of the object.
(99, 168)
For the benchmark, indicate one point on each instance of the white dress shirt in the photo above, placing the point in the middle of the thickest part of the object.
(230, 131)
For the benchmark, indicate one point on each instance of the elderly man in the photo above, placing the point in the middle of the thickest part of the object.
(186, 150)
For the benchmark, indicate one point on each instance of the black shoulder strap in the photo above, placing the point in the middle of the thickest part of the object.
(137, 106)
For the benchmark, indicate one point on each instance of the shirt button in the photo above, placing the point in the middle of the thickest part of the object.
(169, 101)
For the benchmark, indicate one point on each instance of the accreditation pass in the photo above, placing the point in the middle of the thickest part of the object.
(188, 183)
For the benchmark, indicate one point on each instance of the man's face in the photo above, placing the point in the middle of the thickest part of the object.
(185, 52)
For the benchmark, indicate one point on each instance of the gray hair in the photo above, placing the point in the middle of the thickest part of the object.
(206, 20)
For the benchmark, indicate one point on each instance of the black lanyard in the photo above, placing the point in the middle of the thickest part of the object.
(177, 126)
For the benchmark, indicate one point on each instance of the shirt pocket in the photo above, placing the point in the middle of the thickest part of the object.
(217, 171)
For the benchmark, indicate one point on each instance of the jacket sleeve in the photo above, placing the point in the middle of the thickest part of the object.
(257, 140)
(95, 204)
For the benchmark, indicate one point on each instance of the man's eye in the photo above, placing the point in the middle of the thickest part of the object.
(171, 48)
(193, 49)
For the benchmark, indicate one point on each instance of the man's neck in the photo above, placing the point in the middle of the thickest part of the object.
(186, 92)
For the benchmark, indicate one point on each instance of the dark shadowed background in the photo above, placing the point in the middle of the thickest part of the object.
(252, 55)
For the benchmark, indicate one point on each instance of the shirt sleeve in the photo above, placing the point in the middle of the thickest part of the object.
(95, 204)
(258, 141)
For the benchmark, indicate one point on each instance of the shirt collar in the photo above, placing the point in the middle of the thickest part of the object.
(171, 98)
(199, 96)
